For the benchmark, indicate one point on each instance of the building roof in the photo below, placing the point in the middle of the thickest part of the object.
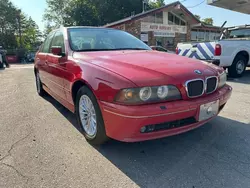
(144, 14)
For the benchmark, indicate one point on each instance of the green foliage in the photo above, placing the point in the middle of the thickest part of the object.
(7, 24)
(153, 4)
(208, 21)
(9, 28)
(89, 12)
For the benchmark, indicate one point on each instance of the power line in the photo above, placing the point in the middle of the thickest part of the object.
(197, 4)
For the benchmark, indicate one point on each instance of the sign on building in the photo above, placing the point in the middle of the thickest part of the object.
(164, 34)
(145, 27)
(144, 37)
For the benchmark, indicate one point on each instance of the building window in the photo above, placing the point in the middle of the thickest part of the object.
(194, 34)
(182, 37)
(177, 21)
(159, 17)
(204, 35)
(155, 18)
(174, 20)
(170, 42)
(170, 18)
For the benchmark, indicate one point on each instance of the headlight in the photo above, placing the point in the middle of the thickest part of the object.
(162, 92)
(145, 93)
(222, 79)
(148, 95)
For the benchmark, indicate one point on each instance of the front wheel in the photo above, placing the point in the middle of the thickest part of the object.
(89, 117)
(238, 67)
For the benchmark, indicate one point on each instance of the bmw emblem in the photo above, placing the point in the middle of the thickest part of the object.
(198, 72)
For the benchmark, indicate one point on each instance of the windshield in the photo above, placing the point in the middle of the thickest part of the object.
(236, 33)
(89, 39)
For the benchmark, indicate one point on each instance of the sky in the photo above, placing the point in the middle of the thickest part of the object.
(35, 9)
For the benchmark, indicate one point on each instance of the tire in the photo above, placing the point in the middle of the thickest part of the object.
(238, 67)
(39, 86)
(98, 136)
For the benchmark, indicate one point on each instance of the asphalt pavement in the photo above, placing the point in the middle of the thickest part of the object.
(40, 146)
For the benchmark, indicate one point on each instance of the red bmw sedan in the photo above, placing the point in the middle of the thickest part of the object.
(120, 88)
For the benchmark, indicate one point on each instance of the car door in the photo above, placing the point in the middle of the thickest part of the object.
(41, 60)
(56, 66)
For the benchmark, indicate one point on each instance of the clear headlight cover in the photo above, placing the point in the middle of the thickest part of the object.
(222, 79)
(148, 95)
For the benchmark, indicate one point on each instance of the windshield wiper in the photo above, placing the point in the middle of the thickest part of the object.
(114, 49)
(131, 49)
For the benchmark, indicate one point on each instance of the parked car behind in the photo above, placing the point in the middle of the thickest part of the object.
(232, 51)
(119, 88)
(3, 60)
(161, 49)
(30, 56)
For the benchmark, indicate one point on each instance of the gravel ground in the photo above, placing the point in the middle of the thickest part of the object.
(41, 146)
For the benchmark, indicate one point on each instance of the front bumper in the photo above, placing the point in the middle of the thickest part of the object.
(124, 123)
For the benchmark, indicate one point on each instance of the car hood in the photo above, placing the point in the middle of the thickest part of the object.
(149, 67)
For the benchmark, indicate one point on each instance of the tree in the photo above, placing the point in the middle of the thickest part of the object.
(8, 24)
(153, 4)
(56, 12)
(89, 12)
(208, 21)
(48, 29)
(9, 27)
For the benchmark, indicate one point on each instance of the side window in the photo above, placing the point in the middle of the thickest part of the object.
(46, 44)
(58, 40)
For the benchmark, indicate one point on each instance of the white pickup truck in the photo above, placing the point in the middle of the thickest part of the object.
(232, 51)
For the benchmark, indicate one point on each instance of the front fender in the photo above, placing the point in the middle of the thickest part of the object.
(104, 84)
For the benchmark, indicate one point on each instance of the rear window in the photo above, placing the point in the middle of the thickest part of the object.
(240, 33)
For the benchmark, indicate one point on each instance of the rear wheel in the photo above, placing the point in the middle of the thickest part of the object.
(238, 67)
(89, 117)
(39, 86)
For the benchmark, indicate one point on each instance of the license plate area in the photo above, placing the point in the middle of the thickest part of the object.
(208, 110)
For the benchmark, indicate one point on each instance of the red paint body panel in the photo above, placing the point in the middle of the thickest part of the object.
(107, 72)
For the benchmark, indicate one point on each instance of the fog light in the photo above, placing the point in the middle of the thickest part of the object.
(143, 129)
(209, 110)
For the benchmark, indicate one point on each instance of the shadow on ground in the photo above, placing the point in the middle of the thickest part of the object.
(214, 155)
(245, 79)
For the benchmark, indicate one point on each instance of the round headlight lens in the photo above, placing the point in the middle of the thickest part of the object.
(145, 93)
(162, 92)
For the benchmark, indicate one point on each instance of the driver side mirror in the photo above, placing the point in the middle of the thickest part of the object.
(57, 50)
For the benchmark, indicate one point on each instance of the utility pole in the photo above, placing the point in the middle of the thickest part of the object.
(144, 2)
(19, 28)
